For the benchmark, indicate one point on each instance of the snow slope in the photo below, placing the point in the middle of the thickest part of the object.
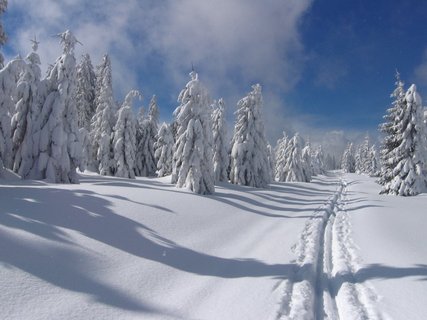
(112, 248)
(391, 235)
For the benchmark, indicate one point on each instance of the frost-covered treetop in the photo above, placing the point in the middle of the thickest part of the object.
(194, 75)
(412, 95)
(68, 41)
(33, 57)
(35, 44)
(131, 96)
(195, 92)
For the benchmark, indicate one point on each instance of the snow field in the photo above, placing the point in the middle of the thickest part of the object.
(323, 286)
(390, 233)
(113, 248)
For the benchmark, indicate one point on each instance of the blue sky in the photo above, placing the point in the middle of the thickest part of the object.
(324, 65)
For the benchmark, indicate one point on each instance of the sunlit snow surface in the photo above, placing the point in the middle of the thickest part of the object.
(111, 248)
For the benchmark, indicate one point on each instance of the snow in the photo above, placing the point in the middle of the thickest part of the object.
(393, 247)
(114, 248)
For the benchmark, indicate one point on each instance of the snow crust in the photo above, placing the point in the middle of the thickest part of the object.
(114, 248)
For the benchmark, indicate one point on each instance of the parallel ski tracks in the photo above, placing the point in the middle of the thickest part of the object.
(324, 285)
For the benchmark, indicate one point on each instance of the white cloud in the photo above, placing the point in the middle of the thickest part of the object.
(233, 43)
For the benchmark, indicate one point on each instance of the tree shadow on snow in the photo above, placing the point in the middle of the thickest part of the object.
(377, 271)
(51, 214)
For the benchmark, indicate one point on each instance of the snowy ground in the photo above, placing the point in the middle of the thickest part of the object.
(113, 248)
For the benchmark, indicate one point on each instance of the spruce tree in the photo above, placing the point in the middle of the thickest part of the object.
(317, 161)
(9, 77)
(85, 94)
(125, 139)
(306, 162)
(220, 153)
(164, 150)
(280, 155)
(3, 37)
(59, 147)
(363, 161)
(348, 162)
(192, 160)
(374, 162)
(249, 154)
(103, 121)
(293, 170)
(392, 138)
(271, 161)
(146, 161)
(25, 117)
(406, 176)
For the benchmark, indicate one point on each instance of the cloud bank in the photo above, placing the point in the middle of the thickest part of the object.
(153, 43)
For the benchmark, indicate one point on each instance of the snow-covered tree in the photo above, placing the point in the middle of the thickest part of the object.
(3, 37)
(148, 128)
(9, 77)
(280, 155)
(59, 141)
(26, 113)
(348, 162)
(294, 168)
(406, 165)
(164, 150)
(271, 161)
(249, 154)
(317, 161)
(374, 162)
(104, 121)
(86, 108)
(392, 138)
(125, 139)
(85, 94)
(362, 157)
(306, 162)
(220, 153)
(140, 137)
(192, 160)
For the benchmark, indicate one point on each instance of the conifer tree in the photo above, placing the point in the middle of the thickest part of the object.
(192, 160)
(59, 144)
(85, 94)
(317, 161)
(9, 77)
(25, 117)
(140, 137)
(374, 163)
(271, 161)
(392, 138)
(249, 154)
(406, 161)
(164, 150)
(306, 162)
(3, 37)
(103, 121)
(146, 161)
(348, 162)
(280, 155)
(125, 139)
(362, 158)
(220, 154)
(293, 170)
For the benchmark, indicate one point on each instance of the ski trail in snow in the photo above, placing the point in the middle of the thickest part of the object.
(324, 285)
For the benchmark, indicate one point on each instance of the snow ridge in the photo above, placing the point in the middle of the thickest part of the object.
(325, 285)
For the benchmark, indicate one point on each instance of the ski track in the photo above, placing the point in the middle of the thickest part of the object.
(324, 284)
